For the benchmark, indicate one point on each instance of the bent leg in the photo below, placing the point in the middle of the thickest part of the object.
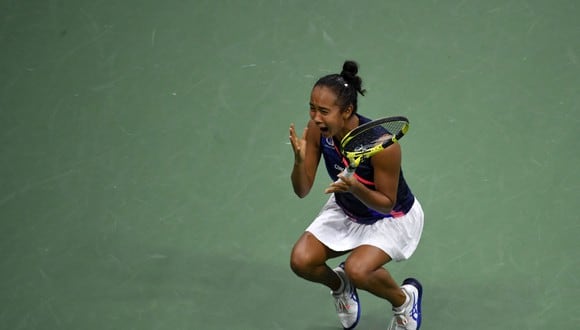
(308, 260)
(364, 267)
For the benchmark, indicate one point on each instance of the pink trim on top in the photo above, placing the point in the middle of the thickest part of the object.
(396, 214)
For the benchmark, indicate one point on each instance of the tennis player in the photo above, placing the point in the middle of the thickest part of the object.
(372, 216)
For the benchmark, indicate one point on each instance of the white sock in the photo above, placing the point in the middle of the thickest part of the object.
(402, 307)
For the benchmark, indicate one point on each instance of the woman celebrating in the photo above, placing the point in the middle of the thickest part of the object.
(372, 216)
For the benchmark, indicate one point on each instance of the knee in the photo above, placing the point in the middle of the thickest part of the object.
(299, 263)
(358, 274)
(307, 256)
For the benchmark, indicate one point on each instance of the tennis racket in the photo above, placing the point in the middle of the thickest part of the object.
(370, 138)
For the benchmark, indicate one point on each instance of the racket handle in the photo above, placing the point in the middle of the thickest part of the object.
(348, 172)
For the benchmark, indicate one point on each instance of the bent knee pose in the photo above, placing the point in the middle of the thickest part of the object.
(371, 217)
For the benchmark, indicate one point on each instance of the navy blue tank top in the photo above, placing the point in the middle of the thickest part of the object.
(355, 209)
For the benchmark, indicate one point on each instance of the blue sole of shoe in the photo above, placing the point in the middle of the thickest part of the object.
(414, 282)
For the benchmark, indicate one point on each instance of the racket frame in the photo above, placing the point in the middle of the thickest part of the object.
(354, 158)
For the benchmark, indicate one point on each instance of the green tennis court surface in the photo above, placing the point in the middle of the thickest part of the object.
(144, 164)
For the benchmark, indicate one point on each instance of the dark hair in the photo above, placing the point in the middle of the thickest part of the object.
(346, 85)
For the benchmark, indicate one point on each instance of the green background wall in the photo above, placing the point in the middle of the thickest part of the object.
(144, 164)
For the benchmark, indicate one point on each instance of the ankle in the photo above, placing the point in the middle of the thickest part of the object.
(340, 287)
(405, 301)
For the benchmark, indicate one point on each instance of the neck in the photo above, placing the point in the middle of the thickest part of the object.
(351, 123)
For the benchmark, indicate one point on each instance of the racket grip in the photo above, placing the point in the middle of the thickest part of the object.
(348, 172)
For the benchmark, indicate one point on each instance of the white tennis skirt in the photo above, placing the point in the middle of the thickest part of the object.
(398, 237)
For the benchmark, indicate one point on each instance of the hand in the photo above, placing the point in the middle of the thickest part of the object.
(343, 184)
(298, 144)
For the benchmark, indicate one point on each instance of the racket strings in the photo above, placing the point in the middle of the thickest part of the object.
(374, 136)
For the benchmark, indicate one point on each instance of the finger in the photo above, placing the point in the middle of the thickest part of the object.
(343, 179)
(330, 189)
(304, 133)
(294, 144)
(292, 131)
(334, 188)
(293, 138)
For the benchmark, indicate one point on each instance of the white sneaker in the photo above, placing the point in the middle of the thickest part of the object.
(408, 316)
(346, 302)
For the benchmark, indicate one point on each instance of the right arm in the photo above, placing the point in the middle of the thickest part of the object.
(306, 158)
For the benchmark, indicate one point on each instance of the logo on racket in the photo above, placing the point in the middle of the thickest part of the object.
(359, 148)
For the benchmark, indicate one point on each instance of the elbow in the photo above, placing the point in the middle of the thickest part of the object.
(387, 207)
(300, 193)
(301, 189)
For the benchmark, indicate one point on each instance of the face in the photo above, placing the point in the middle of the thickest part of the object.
(325, 112)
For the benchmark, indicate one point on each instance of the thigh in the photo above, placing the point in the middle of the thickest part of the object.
(367, 258)
(310, 250)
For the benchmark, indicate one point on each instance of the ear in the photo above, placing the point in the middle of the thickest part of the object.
(348, 112)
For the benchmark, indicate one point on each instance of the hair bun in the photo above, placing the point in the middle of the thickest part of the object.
(349, 74)
(349, 69)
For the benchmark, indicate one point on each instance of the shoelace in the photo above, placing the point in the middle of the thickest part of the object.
(341, 303)
(401, 318)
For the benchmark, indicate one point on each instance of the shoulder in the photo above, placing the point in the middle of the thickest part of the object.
(388, 159)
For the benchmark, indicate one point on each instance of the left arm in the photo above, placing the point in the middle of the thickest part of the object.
(387, 166)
